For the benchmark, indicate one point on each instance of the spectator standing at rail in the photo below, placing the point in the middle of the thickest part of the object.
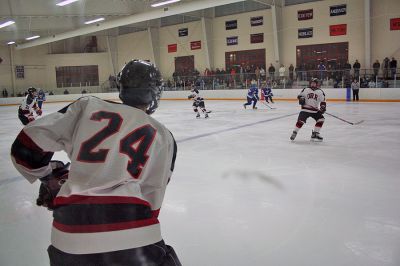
(291, 71)
(393, 67)
(271, 71)
(376, 66)
(356, 67)
(386, 68)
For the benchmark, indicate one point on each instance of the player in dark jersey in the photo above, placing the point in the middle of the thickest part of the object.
(252, 95)
(106, 206)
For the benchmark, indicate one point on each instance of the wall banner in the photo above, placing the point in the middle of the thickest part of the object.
(232, 40)
(305, 33)
(257, 38)
(172, 48)
(231, 24)
(338, 10)
(395, 24)
(305, 14)
(337, 30)
(256, 21)
(183, 32)
(196, 45)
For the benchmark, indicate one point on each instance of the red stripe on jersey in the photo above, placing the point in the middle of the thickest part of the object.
(104, 227)
(80, 199)
(155, 213)
(28, 142)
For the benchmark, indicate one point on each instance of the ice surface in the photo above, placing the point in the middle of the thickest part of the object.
(243, 194)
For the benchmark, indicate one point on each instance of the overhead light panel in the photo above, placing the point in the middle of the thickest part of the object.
(9, 43)
(94, 20)
(164, 3)
(66, 2)
(32, 38)
(7, 23)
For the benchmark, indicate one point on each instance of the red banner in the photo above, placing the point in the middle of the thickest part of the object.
(172, 48)
(196, 45)
(336, 30)
(395, 24)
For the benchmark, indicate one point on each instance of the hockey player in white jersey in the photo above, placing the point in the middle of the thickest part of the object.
(28, 106)
(198, 102)
(106, 207)
(313, 104)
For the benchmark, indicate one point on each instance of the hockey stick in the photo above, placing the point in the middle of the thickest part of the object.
(341, 119)
(270, 107)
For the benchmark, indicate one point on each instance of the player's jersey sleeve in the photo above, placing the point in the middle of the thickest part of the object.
(34, 146)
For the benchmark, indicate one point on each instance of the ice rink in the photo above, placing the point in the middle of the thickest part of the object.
(243, 194)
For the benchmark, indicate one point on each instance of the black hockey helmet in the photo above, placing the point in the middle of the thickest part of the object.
(140, 83)
(31, 90)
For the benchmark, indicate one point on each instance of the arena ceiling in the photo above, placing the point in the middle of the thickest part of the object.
(45, 18)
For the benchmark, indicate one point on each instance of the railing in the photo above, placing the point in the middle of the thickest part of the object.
(341, 78)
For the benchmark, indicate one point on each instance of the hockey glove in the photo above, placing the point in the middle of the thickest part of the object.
(302, 100)
(51, 184)
(38, 111)
(322, 109)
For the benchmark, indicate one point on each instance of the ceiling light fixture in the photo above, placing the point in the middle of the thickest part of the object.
(66, 2)
(94, 20)
(164, 3)
(9, 43)
(7, 23)
(32, 38)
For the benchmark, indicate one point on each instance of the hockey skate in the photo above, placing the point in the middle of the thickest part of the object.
(244, 105)
(255, 107)
(293, 136)
(206, 115)
(198, 115)
(316, 137)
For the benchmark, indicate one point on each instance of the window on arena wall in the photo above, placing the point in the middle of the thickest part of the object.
(333, 54)
(76, 76)
(243, 58)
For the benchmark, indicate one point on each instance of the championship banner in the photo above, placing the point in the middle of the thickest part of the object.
(196, 45)
(183, 32)
(257, 38)
(257, 21)
(305, 14)
(20, 72)
(305, 33)
(338, 10)
(395, 24)
(172, 48)
(231, 24)
(337, 30)
(232, 40)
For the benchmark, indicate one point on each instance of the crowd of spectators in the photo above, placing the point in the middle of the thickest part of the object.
(334, 73)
